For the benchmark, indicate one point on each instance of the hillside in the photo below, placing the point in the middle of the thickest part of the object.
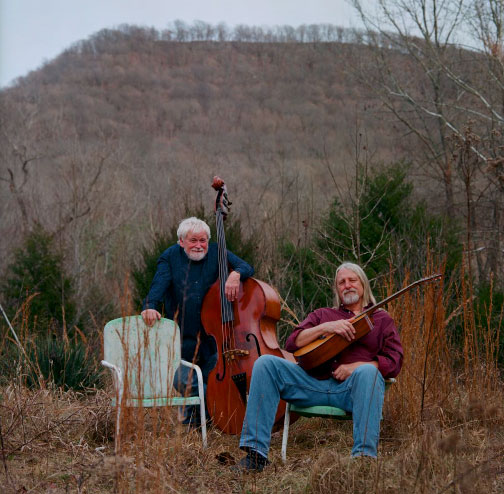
(119, 137)
(259, 114)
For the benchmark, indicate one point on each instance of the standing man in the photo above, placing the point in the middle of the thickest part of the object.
(185, 272)
(353, 381)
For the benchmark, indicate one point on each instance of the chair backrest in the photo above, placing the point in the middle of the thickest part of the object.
(147, 356)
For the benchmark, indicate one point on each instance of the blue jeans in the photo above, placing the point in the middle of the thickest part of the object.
(274, 378)
(186, 383)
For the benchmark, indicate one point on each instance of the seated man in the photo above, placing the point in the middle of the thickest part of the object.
(185, 272)
(353, 381)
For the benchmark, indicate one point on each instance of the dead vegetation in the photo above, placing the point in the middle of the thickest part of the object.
(443, 431)
(58, 442)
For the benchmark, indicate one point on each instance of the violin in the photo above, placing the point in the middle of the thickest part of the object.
(243, 331)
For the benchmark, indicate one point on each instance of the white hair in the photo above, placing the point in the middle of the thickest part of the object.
(194, 225)
(367, 296)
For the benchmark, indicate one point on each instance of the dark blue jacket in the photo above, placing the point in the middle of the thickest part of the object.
(182, 284)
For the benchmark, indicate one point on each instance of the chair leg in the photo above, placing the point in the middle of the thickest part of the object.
(202, 414)
(201, 393)
(119, 387)
(285, 436)
(117, 439)
(203, 428)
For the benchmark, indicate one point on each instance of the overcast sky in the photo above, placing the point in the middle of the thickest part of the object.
(35, 31)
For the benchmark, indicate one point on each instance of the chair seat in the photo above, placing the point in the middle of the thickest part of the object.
(159, 402)
(322, 411)
(327, 411)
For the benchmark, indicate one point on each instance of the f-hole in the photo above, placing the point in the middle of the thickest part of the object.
(252, 335)
(217, 376)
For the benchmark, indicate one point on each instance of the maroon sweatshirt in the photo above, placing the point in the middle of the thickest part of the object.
(381, 345)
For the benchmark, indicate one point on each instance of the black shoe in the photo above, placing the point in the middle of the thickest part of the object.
(253, 462)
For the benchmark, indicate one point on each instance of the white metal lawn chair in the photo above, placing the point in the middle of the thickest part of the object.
(143, 361)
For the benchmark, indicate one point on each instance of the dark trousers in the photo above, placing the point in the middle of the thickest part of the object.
(186, 383)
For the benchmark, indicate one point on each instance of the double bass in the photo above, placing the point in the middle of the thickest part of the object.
(243, 330)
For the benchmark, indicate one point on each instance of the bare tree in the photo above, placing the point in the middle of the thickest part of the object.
(408, 73)
(437, 89)
(20, 150)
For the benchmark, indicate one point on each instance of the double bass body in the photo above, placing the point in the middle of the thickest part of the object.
(251, 334)
(243, 331)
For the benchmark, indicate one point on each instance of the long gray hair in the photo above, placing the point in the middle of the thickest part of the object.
(367, 296)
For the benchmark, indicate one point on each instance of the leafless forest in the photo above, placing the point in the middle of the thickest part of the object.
(114, 139)
(118, 136)
(121, 134)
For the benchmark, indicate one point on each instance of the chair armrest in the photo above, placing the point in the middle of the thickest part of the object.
(199, 375)
(116, 372)
(193, 366)
(189, 364)
(109, 365)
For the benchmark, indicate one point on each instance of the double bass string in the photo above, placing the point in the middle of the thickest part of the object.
(221, 277)
(226, 309)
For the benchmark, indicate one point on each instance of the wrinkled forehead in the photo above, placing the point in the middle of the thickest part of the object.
(199, 234)
(345, 273)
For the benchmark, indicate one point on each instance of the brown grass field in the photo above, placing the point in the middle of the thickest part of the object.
(443, 430)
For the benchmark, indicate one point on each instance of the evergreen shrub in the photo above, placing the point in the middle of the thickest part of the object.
(383, 229)
(64, 364)
(36, 274)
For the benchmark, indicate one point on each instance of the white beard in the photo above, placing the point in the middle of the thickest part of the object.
(350, 297)
(196, 256)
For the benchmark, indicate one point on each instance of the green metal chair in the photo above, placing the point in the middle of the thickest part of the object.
(143, 361)
(316, 411)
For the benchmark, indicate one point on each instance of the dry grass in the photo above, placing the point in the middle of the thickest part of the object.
(443, 431)
(59, 442)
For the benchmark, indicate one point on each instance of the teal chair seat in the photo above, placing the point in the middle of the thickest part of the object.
(322, 411)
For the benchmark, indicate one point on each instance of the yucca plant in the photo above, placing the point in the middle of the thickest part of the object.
(64, 363)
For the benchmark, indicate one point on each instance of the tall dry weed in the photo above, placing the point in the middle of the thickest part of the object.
(443, 428)
(426, 380)
(439, 380)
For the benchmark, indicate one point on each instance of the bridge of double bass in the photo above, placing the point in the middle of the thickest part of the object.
(231, 355)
